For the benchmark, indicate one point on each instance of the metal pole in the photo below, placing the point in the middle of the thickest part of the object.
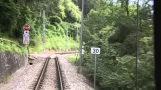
(81, 32)
(43, 29)
(137, 45)
(28, 50)
(27, 53)
(67, 37)
(77, 34)
(95, 72)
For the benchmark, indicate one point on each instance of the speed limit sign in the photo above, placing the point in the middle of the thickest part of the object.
(95, 50)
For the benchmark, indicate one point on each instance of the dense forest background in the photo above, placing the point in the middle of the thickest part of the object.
(112, 26)
(60, 16)
(108, 24)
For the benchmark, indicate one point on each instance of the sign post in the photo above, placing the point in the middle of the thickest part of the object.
(26, 38)
(26, 27)
(26, 35)
(95, 51)
(67, 38)
(81, 40)
(43, 23)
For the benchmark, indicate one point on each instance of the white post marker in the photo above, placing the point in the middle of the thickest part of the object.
(95, 51)
(26, 35)
(26, 38)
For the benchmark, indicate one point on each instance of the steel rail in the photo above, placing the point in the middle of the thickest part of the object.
(59, 74)
(41, 76)
(67, 52)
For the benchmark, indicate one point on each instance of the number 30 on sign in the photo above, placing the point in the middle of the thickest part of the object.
(95, 50)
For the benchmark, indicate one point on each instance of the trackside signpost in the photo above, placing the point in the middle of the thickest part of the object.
(26, 27)
(95, 51)
(26, 35)
(26, 38)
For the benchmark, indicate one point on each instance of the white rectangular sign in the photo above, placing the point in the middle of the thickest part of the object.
(95, 50)
(26, 32)
(26, 38)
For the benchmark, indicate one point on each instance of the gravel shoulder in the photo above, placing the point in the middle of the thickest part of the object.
(23, 78)
(72, 80)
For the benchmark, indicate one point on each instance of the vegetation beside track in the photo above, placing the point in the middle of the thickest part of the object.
(72, 58)
(64, 15)
(108, 24)
(112, 26)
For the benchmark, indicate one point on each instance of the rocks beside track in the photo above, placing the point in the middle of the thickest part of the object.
(72, 80)
(23, 78)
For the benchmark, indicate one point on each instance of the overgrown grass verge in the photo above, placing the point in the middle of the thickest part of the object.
(60, 43)
(73, 58)
(10, 46)
(5, 78)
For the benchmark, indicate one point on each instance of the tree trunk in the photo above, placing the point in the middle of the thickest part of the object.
(140, 25)
(122, 3)
(127, 7)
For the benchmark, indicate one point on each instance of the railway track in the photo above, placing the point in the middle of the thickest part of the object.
(59, 74)
(67, 52)
(43, 72)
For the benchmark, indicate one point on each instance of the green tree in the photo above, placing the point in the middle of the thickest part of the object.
(116, 22)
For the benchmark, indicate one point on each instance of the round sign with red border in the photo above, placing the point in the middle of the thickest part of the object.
(43, 41)
(26, 27)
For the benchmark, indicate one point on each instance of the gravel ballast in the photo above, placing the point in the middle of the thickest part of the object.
(23, 78)
(72, 80)
(50, 79)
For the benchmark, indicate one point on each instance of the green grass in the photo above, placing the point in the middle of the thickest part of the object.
(11, 46)
(5, 78)
(59, 43)
(72, 58)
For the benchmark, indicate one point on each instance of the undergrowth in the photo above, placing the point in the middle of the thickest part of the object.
(5, 78)
(73, 58)
(11, 46)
